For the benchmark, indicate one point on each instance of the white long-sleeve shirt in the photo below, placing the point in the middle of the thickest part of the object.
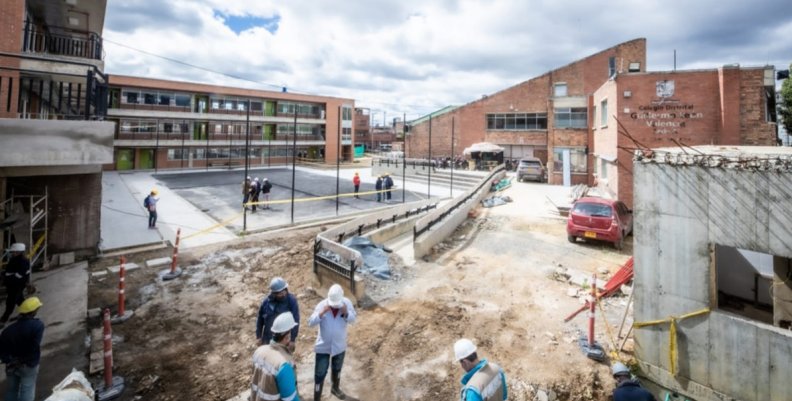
(332, 338)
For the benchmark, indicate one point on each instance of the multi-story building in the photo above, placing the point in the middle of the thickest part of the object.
(52, 141)
(545, 117)
(724, 106)
(169, 124)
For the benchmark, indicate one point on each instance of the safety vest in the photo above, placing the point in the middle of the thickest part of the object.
(488, 382)
(267, 361)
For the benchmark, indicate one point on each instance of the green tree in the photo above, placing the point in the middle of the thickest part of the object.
(785, 108)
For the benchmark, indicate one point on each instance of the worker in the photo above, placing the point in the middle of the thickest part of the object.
(628, 389)
(15, 278)
(246, 191)
(255, 189)
(20, 351)
(483, 381)
(387, 183)
(265, 191)
(274, 377)
(356, 183)
(378, 188)
(278, 301)
(332, 315)
(150, 203)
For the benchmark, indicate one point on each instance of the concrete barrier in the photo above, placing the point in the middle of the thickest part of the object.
(434, 228)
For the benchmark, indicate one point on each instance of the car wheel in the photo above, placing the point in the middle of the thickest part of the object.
(619, 245)
(571, 238)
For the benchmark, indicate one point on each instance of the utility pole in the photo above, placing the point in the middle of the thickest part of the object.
(429, 177)
(404, 158)
(247, 161)
(294, 162)
(338, 155)
(452, 157)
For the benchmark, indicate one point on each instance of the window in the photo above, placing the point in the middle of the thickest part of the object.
(167, 128)
(178, 154)
(750, 284)
(634, 67)
(164, 100)
(517, 121)
(346, 113)
(256, 106)
(302, 129)
(183, 100)
(577, 160)
(571, 117)
(603, 169)
(149, 98)
(611, 66)
(560, 90)
(131, 97)
(604, 113)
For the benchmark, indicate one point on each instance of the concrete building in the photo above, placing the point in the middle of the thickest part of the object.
(168, 124)
(725, 106)
(52, 141)
(546, 117)
(713, 260)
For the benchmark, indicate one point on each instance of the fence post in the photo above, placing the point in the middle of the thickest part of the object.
(123, 314)
(175, 271)
(113, 386)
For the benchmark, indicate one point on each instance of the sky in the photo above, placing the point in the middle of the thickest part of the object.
(411, 57)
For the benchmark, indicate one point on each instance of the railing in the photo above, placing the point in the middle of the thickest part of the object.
(69, 43)
(151, 107)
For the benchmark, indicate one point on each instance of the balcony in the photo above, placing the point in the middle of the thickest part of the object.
(60, 41)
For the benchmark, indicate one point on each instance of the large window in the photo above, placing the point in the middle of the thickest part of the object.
(560, 89)
(571, 117)
(137, 126)
(183, 100)
(611, 66)
(577, 158)
(604, 113)
(302, 129)
(304, 109)
(517, 121)
(346, 113)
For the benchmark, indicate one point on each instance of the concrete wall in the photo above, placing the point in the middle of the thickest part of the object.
(423, 244)
(680, 211)
(55, 143)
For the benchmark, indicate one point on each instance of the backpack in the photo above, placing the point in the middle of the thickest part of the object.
(146, 202)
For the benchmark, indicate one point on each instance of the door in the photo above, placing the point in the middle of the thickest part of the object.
(201, 104)
(146, 157)
(125, 159)
(566, 159)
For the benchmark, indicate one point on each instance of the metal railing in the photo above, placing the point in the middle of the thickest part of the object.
(68, 43)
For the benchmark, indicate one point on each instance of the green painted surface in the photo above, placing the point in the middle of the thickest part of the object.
(125, 159)
(146, 159)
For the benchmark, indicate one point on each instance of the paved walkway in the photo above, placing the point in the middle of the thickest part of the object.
(124, 219)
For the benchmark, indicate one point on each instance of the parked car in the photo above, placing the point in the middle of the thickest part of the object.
(531, 168)
(600, 219)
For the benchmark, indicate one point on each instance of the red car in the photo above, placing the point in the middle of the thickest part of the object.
(600, 219)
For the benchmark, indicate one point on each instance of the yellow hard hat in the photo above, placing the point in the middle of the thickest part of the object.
(154, 191)
(29, 305)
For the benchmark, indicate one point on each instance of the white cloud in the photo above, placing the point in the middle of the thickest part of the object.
(417, 56)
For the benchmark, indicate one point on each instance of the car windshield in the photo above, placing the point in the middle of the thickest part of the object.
(529, 163)
(593, 209)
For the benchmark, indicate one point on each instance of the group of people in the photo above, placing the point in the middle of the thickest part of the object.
(384, 186)
(277, 327)
(252, 189)
(20, 342)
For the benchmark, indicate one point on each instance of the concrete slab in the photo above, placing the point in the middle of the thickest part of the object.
(158, 262)
(124, 220)
(99, 274)
(128, 267)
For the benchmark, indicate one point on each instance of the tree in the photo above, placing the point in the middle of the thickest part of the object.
(785, 107)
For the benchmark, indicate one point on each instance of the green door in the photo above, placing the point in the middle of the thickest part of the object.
(146, 159)
(125, 159)
(269, 108)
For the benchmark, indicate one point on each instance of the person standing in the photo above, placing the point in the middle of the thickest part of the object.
(332, 315)
(150, 203)
(265, 190)
(20, 351)
(274, 376)
(628, 389)
(356, 183)
(378, 188)
(278, 301)
(246, 192)
(15, 278)
(255, 188)
(388, 184)
(483, 381)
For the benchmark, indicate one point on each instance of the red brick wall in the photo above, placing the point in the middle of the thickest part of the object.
(12, 21)
(754, 129)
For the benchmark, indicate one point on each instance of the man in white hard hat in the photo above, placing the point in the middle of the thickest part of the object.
(628, 389)
(274, 377)
(278, 301)
(483, 381)
(15, 278)
(332, 315)
(20, 351)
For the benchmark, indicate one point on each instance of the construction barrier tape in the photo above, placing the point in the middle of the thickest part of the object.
(673, 355)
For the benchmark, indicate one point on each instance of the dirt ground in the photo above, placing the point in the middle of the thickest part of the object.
(493, 281)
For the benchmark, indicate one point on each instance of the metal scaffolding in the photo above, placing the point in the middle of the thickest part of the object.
(27, 225)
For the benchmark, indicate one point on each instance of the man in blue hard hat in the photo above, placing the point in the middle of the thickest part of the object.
(278, 301)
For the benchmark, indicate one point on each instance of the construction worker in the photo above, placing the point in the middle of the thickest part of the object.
(20, 351)
(332, 315)
(265, 190)
(274, 377)
(483, 381)
(628, 389)
(15, 278)
(255, 189)
(277, 302)
(378, 188)
(387, 183)
(150, 203)
(246, 191)
(356, 183)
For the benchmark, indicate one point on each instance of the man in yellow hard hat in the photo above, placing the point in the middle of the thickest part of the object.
(20, 351)
(150, 203)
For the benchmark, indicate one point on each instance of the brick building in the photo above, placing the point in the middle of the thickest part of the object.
(53, 144)
(373, 137)
(545, 117)
(168, 124)
(725, 106)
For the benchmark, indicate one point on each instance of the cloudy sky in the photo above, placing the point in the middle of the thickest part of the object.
(406, 56)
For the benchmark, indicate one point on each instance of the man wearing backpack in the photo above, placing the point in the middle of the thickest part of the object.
(150, 203)
(265, 190)
(255, 189)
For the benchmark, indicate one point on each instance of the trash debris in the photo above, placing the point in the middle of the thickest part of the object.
(375, 257)
(493, 201)
(500, 185)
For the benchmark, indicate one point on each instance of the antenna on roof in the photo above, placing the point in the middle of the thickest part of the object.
(674, 59)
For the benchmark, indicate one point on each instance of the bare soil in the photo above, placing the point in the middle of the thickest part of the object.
(492, 281)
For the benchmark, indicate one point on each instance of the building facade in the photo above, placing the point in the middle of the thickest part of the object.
(545, 117)
(168, 124)
(53, 141)
(725, 106)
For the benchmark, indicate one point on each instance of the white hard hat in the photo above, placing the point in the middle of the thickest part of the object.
(620, 369)
(278, 284)
(335, 297)
(463, 348)
(283, 323)
(17, 247)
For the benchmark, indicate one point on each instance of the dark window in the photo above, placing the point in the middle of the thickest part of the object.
(167, 127)
(149, 98)
(611, 66)
(183, 100)
(593, 209)
(132, 97)
(256, 106)
(164, 100)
